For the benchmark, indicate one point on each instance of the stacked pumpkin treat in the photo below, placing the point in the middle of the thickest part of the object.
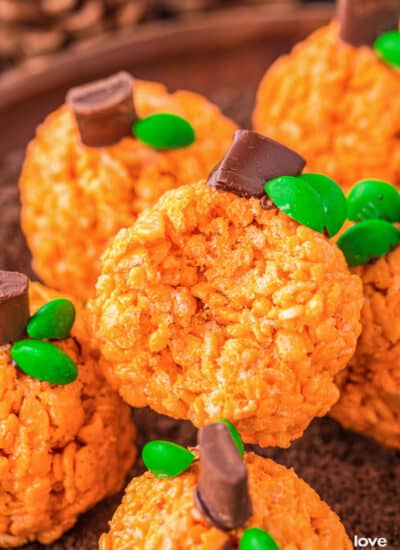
(245, 280)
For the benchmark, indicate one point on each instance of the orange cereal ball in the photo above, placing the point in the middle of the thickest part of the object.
(75, 198)
(63, 447)
(210, 306)
(161, 513)
(337, 105)
(370, 386)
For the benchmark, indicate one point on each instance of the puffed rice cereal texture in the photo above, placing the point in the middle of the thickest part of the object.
(335, 104)
(210, 306)
(160, 514)
(62, 448)
(76, 198)
(370, 387)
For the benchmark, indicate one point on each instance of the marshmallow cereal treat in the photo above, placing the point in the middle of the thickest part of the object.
(335, 97)
(227, 299)
(219, 499)
(370, 386)
(66, 438)
(98, 161)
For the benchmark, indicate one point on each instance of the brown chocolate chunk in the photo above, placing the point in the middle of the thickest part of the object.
(14, 305)
(104, 110)
(222, 494)
(362, 21)
(251, 161)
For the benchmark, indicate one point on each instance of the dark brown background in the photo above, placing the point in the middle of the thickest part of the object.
(222, 56)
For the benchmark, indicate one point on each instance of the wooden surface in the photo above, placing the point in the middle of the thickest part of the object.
(223, 57)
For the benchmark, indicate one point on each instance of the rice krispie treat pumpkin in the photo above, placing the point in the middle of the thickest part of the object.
(335, 99)
(66, 439)
(214, 304)
(86, 175)
(220, 500)
(370, 386)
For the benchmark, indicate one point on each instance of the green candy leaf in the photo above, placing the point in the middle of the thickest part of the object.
(234, 434)
(54, 320)
(298, 200)
(164, 131)
(166, 459)
(257, 539)
(387, 47)
(44, 361)
(333, 201)
(374, 200)
(368, 240)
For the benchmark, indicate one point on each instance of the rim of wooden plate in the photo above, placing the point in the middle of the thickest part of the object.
(222, 28)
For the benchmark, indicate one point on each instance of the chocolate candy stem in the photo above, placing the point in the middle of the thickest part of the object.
(104, 110)
(252, 160)
(14, 305)
(362, 21)
(222, 494)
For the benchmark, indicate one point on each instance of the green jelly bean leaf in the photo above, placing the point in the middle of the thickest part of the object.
(332, 198)
(257, 539)
(387, 47)
(44, 361)
(234, 434)
(166, 459)
(374, 200)
(53, 321)
(368, 240)
(298, 200)
(164, 131)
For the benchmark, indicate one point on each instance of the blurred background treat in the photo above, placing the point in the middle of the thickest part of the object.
(32, 28)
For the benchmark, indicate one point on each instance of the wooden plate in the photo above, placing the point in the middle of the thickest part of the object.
(222, 55)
